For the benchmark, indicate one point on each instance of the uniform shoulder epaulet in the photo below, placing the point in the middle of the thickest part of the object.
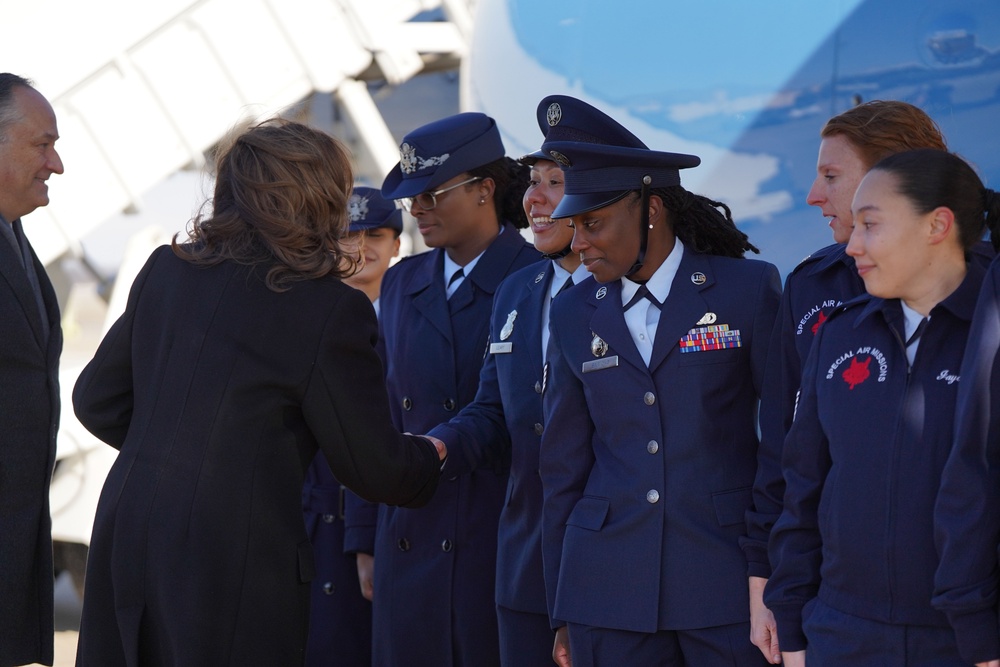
(831, 252)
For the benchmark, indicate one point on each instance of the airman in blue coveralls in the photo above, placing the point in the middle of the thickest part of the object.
(853, 548)
(650, 401)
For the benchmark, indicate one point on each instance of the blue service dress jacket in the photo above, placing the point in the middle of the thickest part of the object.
(647, 471)
(813, 290)
(506, 419)
(435, 568)
(967, 513)
(218, 392)
(29, 421)
(862, 465)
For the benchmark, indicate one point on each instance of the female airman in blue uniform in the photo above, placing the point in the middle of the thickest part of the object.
(340, 618)
(434, 571)
(650, 401)
(851, 143)
(853, 548)
(508, 405)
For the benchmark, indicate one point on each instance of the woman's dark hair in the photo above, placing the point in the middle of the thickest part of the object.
(930, 178)
(704, 225)
(511, 180)
(280, 203)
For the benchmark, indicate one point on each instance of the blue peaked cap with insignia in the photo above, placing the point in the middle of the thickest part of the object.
(367, 209)
(437, 152)
(565, 118)
(599, 173)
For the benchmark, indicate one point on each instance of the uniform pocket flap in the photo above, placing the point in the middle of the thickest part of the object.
(589, 513)
(731, 506)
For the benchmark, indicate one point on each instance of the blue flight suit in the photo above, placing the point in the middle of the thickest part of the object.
(340, 618)
(967, 513)
(813, 290)
(647, 471)
(507, 412)
(435, 569)
(862, 464)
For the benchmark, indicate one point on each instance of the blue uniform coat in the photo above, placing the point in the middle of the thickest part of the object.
(967, 514)
(863, 464)
(818, 285)
(647, 472)
(435, 568)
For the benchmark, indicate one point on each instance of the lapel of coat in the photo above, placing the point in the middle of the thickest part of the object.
(529, 306)
(429, 297)
(608, 322)
(12, 270)
(685, 305)
(491, 268)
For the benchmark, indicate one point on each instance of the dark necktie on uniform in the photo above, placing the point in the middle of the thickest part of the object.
(566, 285)
(29, 269)
(643, 293)
(455, 277)
(915, 336)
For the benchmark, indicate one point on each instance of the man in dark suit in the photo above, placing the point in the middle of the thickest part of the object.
(29, 382)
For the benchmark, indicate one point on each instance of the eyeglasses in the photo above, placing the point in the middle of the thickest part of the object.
(428, 200)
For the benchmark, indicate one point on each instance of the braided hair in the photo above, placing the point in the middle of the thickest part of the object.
(702, 224)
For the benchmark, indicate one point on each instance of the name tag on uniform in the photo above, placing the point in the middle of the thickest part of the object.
(600, 364)
(501, 348)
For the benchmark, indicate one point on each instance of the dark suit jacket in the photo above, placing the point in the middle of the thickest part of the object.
(442, 556)
(29, 419)
(218, 392)
(647, 471)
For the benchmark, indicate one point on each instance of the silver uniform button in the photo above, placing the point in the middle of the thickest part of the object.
(653, 496)
(652, 447)
(649, 398)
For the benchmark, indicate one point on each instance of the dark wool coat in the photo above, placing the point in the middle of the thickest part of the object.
(218, 392)
(29, 419)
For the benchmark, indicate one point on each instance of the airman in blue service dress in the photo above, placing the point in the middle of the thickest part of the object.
(506, 417)
(340, 618)
(650, 443)
(435, 570)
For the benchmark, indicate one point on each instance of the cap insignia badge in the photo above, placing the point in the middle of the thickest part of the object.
(357, 208)
(560, 158)
(553, 114)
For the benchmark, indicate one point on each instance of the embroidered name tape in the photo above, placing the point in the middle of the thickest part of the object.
(716, 337)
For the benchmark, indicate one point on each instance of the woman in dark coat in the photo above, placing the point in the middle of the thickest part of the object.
(239, 354)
